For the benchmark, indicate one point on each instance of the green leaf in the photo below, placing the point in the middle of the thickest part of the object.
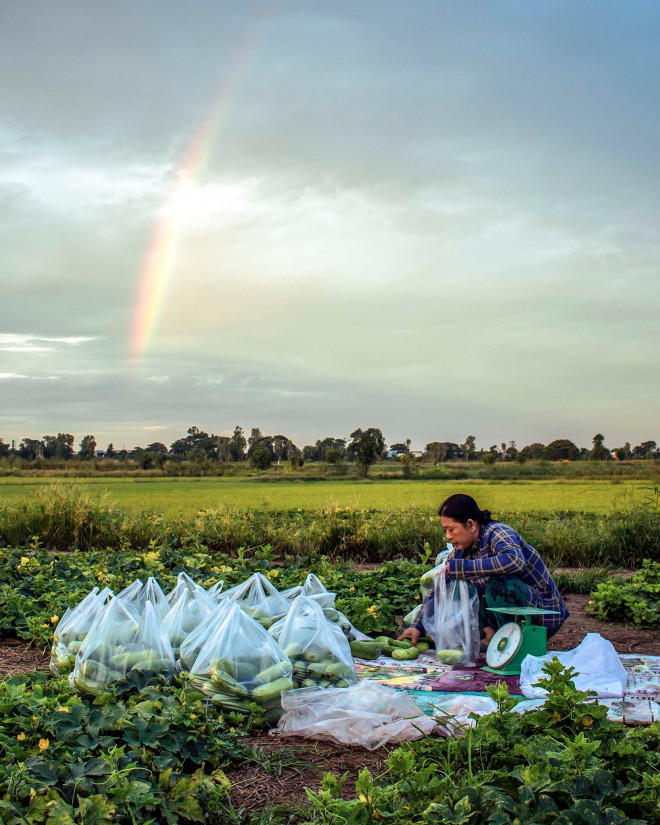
(95, 810)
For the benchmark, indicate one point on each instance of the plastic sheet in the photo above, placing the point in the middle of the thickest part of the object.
(366, 714)
(241, 663)
(452, 713)
(597, 663)
(319, 651)
(451, 619)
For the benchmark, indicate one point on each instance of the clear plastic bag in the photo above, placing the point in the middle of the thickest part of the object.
(451, 619)
(241, 663)
(192, 606)
(195, 641)
(319, 651)
(152, 592)
(100, 663)
(260, 599)
(366, 714)
(215, 592)
(72, 629)
(597, 664)
(131, 592)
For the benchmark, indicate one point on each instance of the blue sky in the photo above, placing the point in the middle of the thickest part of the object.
(436, 218)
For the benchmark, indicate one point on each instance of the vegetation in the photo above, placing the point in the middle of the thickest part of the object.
(635, 600)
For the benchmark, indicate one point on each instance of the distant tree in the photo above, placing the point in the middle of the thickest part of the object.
(366, 447)
(512, 451)
(281, 447)
(87, 448)
(401, 447)
(647, 449)
(260, 456)
(310, 452)
(437, 450)
(4, 449)
(323, 445)
(532, 452)
(622, 453)
(157, 447)
(494, 451)
(196, 446)
(110, 451)
(58, 446)
(562, 449)
(599, 451)
(255, 436)
(489, 458)
(30, 448)
(223, 448)
(333, 456)
(468, 448)
(238, 445)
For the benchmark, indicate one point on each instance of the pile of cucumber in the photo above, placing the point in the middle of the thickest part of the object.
(402, 650)
(316, 666)
(114, 665)
(234, 684)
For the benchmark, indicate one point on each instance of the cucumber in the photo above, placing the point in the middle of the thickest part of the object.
(276, 671)
(365, 650)
(337, 670)
(403, 655)
(422, 646)
(264, 693)
(451, 657)
(384, 641)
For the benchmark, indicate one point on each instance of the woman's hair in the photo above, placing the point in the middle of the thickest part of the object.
(463, 508)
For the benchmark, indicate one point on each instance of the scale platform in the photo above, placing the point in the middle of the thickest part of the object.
(515, 640)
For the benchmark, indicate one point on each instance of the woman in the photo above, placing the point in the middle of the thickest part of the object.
(498, 562)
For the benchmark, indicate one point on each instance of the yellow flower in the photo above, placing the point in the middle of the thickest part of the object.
(43, 744)
(21, 737)
(54, 619)
(372, 610)
(365, 800)
(274, 573)
(24, 560)
(557, 716)
(351, 588)
(45, 625)
(417, 597)
(62, 709)
(587, 720)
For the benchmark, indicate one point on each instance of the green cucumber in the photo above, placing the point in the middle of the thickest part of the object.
(403, 655)
(365, 650)
(264, 693)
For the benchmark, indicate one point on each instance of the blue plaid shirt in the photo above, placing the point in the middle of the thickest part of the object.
(501, 551)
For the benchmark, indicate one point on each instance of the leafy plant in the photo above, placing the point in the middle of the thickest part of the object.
(635, 600)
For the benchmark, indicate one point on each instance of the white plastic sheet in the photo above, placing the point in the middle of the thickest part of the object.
(597, 664)
(366, 714)
(452, 713)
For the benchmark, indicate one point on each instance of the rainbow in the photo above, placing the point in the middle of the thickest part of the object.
(160, 260)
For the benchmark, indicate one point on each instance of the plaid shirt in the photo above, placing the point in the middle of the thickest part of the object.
(500, 551)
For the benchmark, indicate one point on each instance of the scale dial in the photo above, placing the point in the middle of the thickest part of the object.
(504, 645)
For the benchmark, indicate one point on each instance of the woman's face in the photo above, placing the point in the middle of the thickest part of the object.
(460, 535)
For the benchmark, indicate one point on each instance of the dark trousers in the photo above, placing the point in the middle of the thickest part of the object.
(504, 591)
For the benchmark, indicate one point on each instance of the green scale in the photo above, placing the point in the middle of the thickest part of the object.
(515, 640)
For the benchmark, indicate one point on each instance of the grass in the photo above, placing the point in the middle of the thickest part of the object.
(187, 496)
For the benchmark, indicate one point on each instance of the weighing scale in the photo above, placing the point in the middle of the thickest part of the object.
(515, 640)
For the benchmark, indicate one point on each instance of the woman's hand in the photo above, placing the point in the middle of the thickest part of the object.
(411, 634)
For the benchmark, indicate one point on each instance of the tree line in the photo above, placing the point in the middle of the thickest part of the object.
(364, 447)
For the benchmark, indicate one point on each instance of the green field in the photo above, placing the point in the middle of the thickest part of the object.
(186, 496)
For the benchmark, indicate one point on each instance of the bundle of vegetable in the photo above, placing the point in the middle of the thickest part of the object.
(318, 650)
(195, 641)
(188, 609)
(259, 599)
(123, 650)
(73, 628)
(241, 663)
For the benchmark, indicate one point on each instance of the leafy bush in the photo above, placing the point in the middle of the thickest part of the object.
(635, 600)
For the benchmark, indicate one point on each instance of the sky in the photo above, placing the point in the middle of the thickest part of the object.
(437, 218)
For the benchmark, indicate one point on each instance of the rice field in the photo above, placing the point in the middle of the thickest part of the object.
(186, 496)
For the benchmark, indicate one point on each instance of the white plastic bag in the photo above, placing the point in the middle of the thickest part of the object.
(216, 590)
(260, 599)
(186, 613)
(597, 664)
(100, 662)
(452, 713)
(319, 651)
(196, 639)
(72, 629)
(152, 592)
(366, 714)
(451, 619)
(241, 663)
(131, 592)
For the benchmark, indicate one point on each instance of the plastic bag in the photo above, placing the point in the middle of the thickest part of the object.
(216, 590)
(451, 619)
(426, 585)
(241, 663)
(100, 663)
(260, 599)
(131, 592)
(196, 639)
(597, 664)
(186, 613)
(152, 592)
(366, 714)
(72, 629)
(453, 712)
(319, 651)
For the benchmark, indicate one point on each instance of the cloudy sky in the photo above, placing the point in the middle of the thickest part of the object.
(438, 218)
